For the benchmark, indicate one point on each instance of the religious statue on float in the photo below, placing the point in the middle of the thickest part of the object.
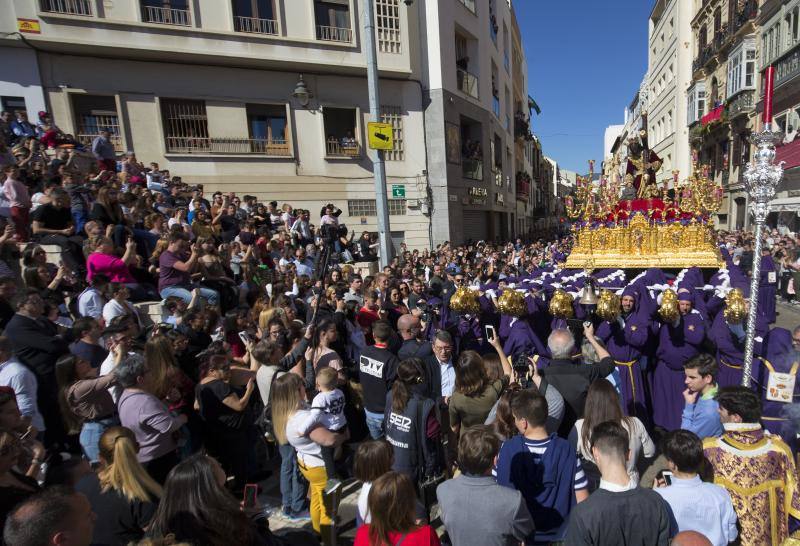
(643, 164)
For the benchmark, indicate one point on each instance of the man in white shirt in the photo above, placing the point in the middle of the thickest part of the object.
(14, 374)
(91, 301)
(697, 505)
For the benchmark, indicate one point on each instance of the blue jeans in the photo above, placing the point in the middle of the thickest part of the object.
(293, 485)
(374, 424)
(90, 437)
(206, 293)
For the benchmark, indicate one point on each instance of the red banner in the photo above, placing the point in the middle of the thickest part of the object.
(713, 115)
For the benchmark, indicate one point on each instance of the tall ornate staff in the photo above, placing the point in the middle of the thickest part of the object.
(761, 179)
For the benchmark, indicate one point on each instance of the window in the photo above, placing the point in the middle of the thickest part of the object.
(387, 13)
(742, 68)
(12, 104)
(333, 20)
(185, 125)
(256, 16)
(340, 132)
(70, 7)
(696, 102)
(394, 115)
(369, 207)
(268, 129)
(93, 113)
(166, 12)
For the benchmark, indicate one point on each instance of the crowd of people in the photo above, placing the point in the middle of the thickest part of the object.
(446, 383)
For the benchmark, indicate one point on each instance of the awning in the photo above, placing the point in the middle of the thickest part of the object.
(785, 204)
(713, 115)
(790, 153)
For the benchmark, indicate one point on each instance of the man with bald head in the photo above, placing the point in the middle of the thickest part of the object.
(570, 377)
(690, 538)
(414, 346)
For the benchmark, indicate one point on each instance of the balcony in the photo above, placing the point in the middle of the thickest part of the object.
(335, 147)
(787, 68)
(523, 186)
(497, 174)
(469, 4)
(472, 168)
(255, 25)
(237, 146)
(166, 16)
(741, 103)
(467, 83)
(696, 132)
(67, 7)
(745, 15)
(705, 56)
(334, 34)
(522, 127)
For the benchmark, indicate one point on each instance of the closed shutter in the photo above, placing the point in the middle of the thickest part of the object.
(475, 226)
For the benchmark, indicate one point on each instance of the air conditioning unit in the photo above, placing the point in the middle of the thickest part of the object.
(412, 203)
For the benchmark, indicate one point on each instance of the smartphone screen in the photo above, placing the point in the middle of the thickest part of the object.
(667, 477)
(250, 495)
(244, 336)
(489, 331)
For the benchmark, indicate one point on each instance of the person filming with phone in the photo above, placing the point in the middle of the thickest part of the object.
(697, 505)
(474, 394)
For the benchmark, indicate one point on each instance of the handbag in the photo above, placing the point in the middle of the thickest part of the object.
(426, 485)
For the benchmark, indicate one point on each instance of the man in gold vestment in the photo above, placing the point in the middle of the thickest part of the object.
(756, 468)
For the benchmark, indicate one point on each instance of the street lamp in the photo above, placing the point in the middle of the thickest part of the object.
(761, 180)
(301, 92)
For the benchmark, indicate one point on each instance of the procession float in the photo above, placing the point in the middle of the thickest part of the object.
(632, 222)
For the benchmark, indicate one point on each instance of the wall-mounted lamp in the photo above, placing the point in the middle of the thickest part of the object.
(301, 92)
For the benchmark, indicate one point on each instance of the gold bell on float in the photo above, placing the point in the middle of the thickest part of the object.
(465, 301)
(608, 305)
(588, 293)
(561, 305)
(511, 303)
(735, 306)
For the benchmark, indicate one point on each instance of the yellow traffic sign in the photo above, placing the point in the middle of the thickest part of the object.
(381, 135)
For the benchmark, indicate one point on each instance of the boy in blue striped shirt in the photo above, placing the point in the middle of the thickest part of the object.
(543, 467)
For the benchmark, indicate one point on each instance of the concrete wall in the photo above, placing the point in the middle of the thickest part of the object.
(20, 78)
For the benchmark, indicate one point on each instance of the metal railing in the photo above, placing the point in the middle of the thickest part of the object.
(68, 7)
(741, 103)
(260, 146)
(166, 16)
(469, 4)
(89, 128)
(255, 25)
(335, 147)
(498, 176)
(472, 168)
(467, 82)
(334, 34)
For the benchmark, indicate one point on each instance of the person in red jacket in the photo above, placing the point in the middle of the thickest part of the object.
(391, 504)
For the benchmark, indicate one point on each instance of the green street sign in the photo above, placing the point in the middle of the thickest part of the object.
(398, 191)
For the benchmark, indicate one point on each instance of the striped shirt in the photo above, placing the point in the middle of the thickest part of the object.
(538, 447)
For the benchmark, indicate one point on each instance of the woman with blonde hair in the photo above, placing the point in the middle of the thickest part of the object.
(391, 505)
(123, 495)
(290, 410)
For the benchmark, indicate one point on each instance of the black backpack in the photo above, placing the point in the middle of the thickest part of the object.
(264, 420)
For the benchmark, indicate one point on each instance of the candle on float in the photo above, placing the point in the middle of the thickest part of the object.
(769, 84)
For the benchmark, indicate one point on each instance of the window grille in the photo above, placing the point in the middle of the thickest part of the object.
(394, 115)
(369, 207)
(387, 13)
(185, 125)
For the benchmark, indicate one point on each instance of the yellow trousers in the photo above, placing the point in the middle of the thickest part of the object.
(317, 479)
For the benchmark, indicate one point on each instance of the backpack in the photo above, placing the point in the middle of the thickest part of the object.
(264, 419)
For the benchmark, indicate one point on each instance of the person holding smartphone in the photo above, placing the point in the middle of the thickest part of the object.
(474, 395)
(697, 505)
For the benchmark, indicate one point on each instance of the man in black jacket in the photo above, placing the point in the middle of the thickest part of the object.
(413, 345)
(571, 377)
(619, 512)
(37, 345)
(377, 368)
